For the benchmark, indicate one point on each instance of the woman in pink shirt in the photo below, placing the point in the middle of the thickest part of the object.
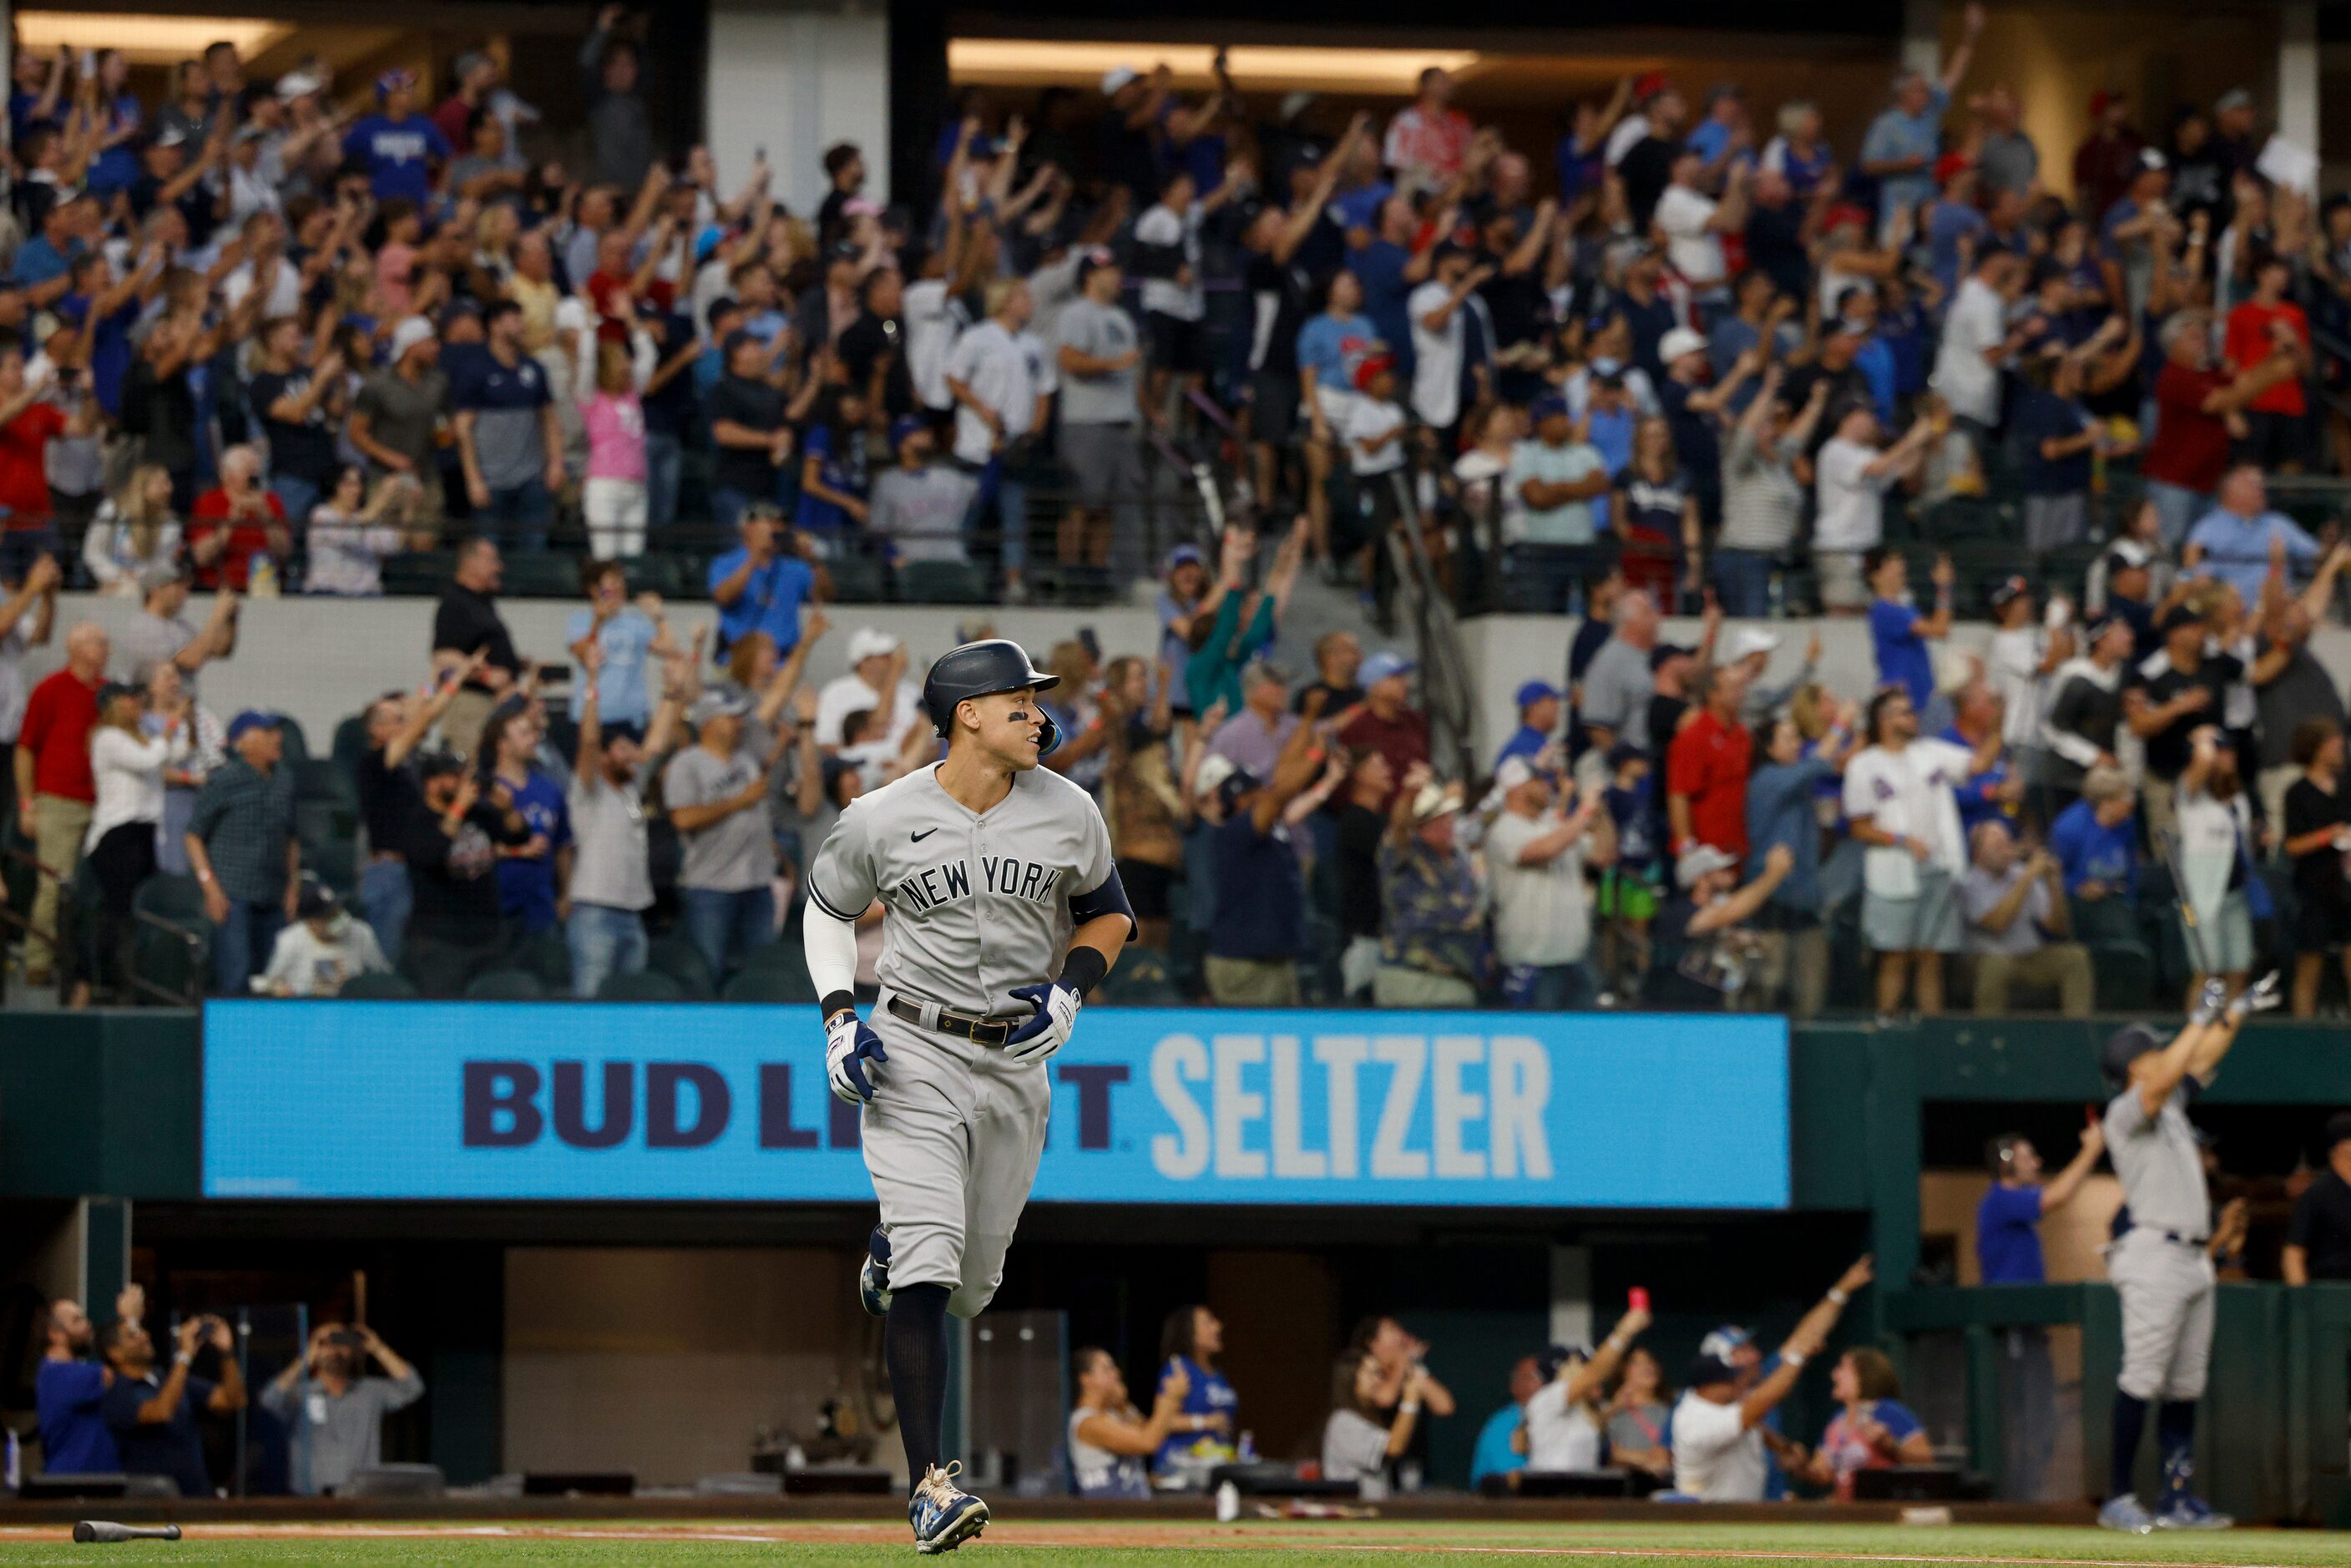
(612, 409)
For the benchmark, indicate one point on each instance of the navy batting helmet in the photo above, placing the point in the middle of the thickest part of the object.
(2124, 1047)
(981, 669)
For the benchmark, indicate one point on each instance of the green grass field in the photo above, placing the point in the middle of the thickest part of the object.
(1023, 1543)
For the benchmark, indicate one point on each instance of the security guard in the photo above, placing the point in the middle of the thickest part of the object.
(2161, 1267)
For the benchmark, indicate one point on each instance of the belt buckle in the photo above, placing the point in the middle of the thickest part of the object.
(994, 1032)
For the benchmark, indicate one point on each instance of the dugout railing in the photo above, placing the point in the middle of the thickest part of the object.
(2271, 1440)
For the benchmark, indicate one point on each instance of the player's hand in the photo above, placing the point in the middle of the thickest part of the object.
(2260, 998)
(849, 1044)
(1057, 1018)
(2211, 1002)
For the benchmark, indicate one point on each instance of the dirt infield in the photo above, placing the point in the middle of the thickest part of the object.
(1250, 1538)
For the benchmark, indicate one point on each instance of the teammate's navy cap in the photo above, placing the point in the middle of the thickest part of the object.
(1708, 1369)
(2124, 1047)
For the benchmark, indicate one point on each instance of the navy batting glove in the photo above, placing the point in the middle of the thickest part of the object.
(1057, 1008)
(849, 1044)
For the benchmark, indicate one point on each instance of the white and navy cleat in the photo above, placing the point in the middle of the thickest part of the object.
(944, 1515)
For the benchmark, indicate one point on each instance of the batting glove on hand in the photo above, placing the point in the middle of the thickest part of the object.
(2260, 996)
(849, 1045)
(2211, 1002)
(1057, 1018)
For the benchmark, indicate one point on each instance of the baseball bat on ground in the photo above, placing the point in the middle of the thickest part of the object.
(99, 1531)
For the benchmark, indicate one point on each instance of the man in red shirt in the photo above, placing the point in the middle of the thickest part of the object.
(2193, 401)
(1385, 720)
(2277, 436)
(1706, 770)
(54, 789)
(235, 521)
(28, 422)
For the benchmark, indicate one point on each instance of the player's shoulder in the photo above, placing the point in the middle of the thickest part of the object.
(1056, 792)
(892, 799)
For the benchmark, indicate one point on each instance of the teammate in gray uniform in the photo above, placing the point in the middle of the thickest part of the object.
(2162, 1266)
(991, 870)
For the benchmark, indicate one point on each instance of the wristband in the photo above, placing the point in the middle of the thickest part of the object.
(204, 875)
(1791, 1358)
(1837, 1294)
(1083, 969)
(1409, 1408)
(836, 1003)
(183, 1358)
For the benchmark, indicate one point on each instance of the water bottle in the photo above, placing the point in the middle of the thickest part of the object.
(260, 576)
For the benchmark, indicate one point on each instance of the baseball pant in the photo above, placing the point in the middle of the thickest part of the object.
(60, 825)
(951, 1141)
(2062, 966)
(2167, 1298)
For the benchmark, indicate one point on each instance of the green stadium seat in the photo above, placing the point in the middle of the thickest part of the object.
(676, 957)
(647, 985)
(772, 986)
(943, 582)
(505, 985)
(378, 987)
(2125, 975)
(322, 779)
(540, 575)
(418, 574)
(656, 573)
(547, 956)
(858, 580)
(176, 900)
(349, 746)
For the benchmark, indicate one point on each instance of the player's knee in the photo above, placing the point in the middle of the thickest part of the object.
(2141, 1382)
(970, 1301)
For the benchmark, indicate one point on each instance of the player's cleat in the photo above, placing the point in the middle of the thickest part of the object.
(2189, 1512)
(2126, 1514)
(873, 1275)
(944, 1515)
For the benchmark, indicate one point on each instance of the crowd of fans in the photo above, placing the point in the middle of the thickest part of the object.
(271, 336)
(112, 1401)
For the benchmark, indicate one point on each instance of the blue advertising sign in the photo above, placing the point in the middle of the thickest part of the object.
(642, 1101)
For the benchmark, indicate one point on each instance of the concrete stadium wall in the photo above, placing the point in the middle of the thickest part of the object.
(794, 79)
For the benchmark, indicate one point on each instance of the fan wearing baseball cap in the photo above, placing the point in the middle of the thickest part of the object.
(1386, 721)
(918, 504)
(1719, 1439)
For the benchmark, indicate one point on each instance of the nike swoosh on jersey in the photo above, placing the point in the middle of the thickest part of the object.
(925, 833)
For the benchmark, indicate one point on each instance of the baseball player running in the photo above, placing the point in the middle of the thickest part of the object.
(990, 867)
(2162, 1266)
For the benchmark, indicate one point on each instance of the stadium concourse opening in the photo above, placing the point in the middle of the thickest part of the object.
(348, 48)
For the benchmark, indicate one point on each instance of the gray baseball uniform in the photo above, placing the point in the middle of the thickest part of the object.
(2161, 1268)
(978, 903)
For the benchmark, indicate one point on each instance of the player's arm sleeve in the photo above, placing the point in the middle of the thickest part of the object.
(1105, 893)
(830, 944)
(841, 882)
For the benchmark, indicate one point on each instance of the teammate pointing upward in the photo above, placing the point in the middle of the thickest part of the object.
(2161, 1268)
(990, 867)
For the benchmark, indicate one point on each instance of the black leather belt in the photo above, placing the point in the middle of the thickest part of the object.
(979, 1031)
(2178, 1240)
